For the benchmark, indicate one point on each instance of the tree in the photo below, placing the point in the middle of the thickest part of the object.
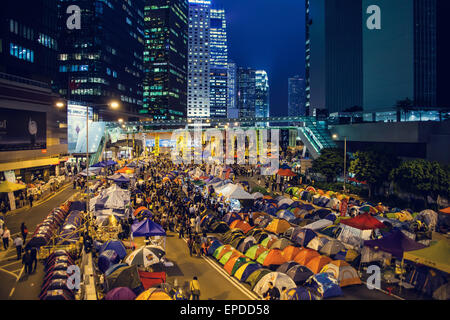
(373, 167)
(403, 105)
(422, 178)
(330, 163)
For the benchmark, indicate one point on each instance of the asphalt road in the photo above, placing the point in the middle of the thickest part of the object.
(14, 284)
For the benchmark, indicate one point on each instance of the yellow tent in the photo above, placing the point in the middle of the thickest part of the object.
(278, 226)
(7, 186)
(436, 256)
(154, 294)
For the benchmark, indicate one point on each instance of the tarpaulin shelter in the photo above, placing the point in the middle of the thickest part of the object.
(255, 251)
(364, 222)
(301, 293)
(115, 245)
(279, 280)
(286, 266)
(6, 187)
(324, 285)
(147, 228)
(124, 277)
(121, 293)
(290, 252)
(305, 256)
(317, 263)
(302, 236)
(281, 244)
(246, 270)
(345, 274)
(240, 224)
(299, 274)
(332, 247)
(278, 226)
(396, 243)
(436, 256)
(271, 258)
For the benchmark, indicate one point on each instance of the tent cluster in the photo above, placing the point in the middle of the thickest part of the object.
(55, 285)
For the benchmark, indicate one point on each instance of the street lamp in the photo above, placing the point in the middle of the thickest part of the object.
(335, 137)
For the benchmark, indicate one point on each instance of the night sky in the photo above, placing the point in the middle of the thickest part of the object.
(268, 35)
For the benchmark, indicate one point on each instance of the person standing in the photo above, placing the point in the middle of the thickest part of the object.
(27, 261)
(272, 293)
(34, 261)
(194, 286)
(24, 231)
(18, 242)
(5, 237)
(190, 244)
(30, 198)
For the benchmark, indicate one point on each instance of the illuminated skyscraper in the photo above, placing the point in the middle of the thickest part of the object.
(262, 108)
(165, 59)
(296, 96)
(218, 64)
(232, 107)
(199, 59)
(253, 93)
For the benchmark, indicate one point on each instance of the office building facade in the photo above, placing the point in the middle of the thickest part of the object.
(296, 97)
(262, 99)
(103, 60)
(218, 64)
(246, 90)
(165, 59)
(232, 109)
(199, 59)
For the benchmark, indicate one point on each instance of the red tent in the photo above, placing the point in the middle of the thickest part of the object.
(286, 173)
(446, 210)
(364, 222)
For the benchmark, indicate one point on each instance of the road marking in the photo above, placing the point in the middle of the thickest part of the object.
(9, 272)
(233, 281)
(17, 279)
(5, 265)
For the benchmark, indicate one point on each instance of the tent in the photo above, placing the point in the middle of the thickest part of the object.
(364, 222)
(286, 173)
(147, 228)
(268, 241)
(271, 258)
(290, 252)
(120, 293)
(246, 244)
(319, 224)
(115, 245)
(302, 236)
(125, 170)
(213, 246)
(345, 274)
(286, 214)
(228, 255)
(349, 255)
(395, 243)
(446, 210)
(281, 244)
(231, 217)
(232, 191)
(305, 256)
(436, 256)
(254, 278)
(219, 227)
(323, 285)
(243, 225)
(6, 187)
(154, 294)
(278, 279)
(317, 263)
(255, 251)
(301, 293)
(246, 270)
(299, 274)
(332, 247)
(107, 259)
(286, 266)
(278, 226)
(124, 277)
(317, 243)
(237, 241)
(218, 251)
(235, 263)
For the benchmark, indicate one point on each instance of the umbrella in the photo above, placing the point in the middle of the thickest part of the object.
(124, 277)
(145, 256)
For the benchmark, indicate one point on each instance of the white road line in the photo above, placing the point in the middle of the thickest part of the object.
(17, 279)
(233, 281)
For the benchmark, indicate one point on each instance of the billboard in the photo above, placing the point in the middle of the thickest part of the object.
(22, 130)
(76, 124)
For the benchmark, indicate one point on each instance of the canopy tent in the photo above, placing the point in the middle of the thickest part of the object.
(436, 256)
(235, 192)
(6, 187)
(121, 179)
(396, 243)
(147, 228)
(364, 222)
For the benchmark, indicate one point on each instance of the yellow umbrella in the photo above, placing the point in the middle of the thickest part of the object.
(7, 186)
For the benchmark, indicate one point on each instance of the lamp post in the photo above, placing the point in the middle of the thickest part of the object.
(335, 137)
(112, 105)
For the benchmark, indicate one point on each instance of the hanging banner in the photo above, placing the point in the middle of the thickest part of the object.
(156, 145)
(343, 207)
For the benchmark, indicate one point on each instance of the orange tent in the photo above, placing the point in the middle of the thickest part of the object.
(316, 264)
(274, 257)
(225, 249)
(239, 224)
(278, 226)
(295, 211)
(138, 210)
(125, 170)
(290, 252)
(230, 263)
(446, 210)
(259, 214)
(305, 256)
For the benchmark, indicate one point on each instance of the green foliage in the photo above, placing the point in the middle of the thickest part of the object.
(330, 163)
(422, 177)
(260, 190)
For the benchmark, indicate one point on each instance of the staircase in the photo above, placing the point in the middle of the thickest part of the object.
(315, 136)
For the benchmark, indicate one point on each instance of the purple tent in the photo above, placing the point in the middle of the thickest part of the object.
(120, 293)
(395, 243)
(107, 259)
(147, 228)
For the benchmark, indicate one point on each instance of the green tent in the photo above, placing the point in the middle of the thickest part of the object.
(239, 262)
(124, 277)
(265, 242)
(254, 278)
(218, 251)
(262, 257)
(251, 252)
(226, 257)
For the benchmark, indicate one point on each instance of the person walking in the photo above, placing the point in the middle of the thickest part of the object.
(18, 242)
(24, 231)
(190, 244)
(34, 261)
(194, 286)
(27, 261)
(5, 237)
(30, 198)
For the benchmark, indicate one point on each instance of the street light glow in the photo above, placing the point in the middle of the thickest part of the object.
(335, 136)
(60, 104)
(114, 104)
(120, 120)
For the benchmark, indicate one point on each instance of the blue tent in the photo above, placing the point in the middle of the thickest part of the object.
(107, 259)
(251, 267)
(147, 228)
(285, 214)
(116, 246)
(306, 207)
(100, 164)
(301, 293)
(303, 236)
(214, 246)
(122, 179)
(110, 163)
(324, 285)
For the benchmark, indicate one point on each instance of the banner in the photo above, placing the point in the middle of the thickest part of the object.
(343, 207)
(156, 145)
(22, 130)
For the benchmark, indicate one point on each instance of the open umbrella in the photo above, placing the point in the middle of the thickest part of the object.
(145, 256)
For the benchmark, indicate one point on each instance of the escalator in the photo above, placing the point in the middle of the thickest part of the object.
(315, 135)
(97, 142)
